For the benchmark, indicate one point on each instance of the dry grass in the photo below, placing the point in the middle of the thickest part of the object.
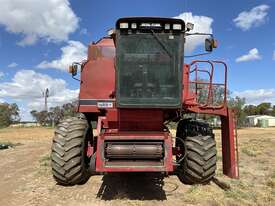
(23, 134)
(256, 185)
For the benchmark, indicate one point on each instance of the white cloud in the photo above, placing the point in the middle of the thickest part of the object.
(74, 52)
(257, 96)
(13, 64)
(273, 56)
(253, 18)
(253, 54)
(52, 20)
(27, 86)
(202, 24)
(83, 31)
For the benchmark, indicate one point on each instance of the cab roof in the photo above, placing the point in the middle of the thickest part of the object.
(149, 20)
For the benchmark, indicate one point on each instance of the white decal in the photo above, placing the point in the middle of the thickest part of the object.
(171, 37)
(105, 104)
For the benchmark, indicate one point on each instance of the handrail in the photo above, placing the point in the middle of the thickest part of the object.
(210, 83)
(225, 79)
(210, 78)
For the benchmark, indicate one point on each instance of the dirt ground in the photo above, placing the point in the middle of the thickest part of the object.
(26, 177)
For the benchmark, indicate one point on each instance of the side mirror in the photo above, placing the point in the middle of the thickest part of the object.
(111, 32)
(210, 44)
(73, 69)
(189, 26)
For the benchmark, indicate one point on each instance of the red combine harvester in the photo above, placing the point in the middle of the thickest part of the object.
(134, 83)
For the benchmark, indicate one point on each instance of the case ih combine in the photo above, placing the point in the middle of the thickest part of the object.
(133, 83)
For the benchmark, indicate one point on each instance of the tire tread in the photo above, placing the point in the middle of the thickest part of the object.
(199, 165)
(68, 167)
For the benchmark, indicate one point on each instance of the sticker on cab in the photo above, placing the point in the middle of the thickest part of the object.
(105, 104)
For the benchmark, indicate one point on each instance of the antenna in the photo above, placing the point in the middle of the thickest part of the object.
(46, 95)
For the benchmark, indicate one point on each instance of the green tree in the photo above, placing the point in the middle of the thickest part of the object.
(237, 104)
(69, 109)
(264, 108)
(250, 110)
(55, 114)
(9, 113)
(40, 117)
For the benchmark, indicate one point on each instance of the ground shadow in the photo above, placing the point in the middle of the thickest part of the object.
(133, 186)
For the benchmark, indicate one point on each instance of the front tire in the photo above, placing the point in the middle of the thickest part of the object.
(199, 164)
(69, 160)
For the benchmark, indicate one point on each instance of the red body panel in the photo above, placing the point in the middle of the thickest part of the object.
(228, 145)
(97, 77)
(140, 120)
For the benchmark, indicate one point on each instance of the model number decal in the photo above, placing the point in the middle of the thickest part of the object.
(105, 104)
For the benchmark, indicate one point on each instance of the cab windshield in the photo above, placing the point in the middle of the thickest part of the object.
(149, 69)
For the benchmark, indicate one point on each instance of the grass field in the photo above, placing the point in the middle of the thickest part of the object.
(26, 177)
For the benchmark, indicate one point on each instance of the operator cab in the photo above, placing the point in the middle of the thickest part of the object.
(149, 62)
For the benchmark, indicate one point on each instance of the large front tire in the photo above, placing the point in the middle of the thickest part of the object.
(199, 164)
(69, 160)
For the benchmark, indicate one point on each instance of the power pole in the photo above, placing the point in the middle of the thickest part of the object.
(46, 95)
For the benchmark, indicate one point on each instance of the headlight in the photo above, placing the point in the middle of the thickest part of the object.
(167, 26)
(177, 26)
(123, 25)
(134, 25)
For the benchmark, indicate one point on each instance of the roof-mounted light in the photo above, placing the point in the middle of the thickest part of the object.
(123, 25)
(167, 26)
(134, 25)
(177, 27)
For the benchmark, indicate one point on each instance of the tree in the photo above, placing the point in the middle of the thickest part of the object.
(40, 117)
(55, 114)
(217, 92)
(9, 113)
(250, 109)
(273, 110)
(264, 108)
(237, 104)
(69, 109)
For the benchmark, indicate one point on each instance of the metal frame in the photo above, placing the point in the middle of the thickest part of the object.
(145, 166)
(229, 149)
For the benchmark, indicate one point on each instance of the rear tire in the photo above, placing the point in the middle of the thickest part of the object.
(69, 160)
(199, 164)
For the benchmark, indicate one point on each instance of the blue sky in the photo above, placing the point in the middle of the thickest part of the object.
(39, 39)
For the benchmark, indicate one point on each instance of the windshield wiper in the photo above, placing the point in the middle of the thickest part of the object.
(161, 43)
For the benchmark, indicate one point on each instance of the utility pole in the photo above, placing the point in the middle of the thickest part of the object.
(46, 95)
